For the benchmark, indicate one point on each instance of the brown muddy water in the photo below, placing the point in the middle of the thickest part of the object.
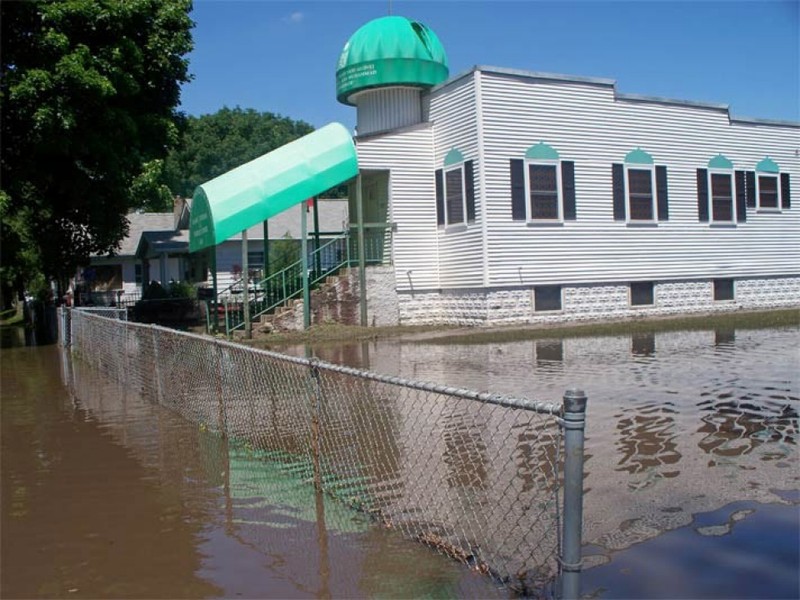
(107, 496)
(692, 478)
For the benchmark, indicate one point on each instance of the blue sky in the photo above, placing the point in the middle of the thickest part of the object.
(281, 56)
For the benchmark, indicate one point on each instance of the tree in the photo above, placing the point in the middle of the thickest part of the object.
(214, 144)
(88, 94)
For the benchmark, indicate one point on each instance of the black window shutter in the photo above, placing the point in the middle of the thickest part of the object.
(469, 179)
(618, 186)
(702, 195)
(439, 197)
(517, 189)
(741, 197)
(568, 189)
(786, 198)
(662, 194)
(750, 188)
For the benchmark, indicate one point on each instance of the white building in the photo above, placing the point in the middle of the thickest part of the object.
(522, 197)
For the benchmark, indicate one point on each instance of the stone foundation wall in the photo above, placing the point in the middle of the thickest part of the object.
(592, 302)
(337, 301)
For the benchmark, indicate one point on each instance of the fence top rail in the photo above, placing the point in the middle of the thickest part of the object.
(521, 403)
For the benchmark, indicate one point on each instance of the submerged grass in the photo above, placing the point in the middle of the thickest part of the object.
(428, 334)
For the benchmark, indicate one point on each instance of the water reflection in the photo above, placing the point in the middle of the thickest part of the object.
(260, 506)
(679, 423)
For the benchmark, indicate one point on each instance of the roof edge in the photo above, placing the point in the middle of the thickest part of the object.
(625, 97)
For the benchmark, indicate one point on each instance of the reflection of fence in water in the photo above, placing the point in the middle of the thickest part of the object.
(474, 476)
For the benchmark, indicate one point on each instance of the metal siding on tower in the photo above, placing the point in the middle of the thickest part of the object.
(388, 108)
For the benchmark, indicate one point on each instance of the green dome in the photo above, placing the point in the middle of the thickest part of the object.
(390, 51)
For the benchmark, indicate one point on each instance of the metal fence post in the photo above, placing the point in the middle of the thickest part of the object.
(574, 423)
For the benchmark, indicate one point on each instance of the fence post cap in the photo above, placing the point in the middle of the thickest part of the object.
(575, 400)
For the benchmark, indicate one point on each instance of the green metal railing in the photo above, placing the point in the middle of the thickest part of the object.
(278, 288)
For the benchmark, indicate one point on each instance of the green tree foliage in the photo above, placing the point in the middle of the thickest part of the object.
(88, 91)
(214, 144)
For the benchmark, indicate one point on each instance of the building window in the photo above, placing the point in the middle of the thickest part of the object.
(718, 190)
(723, 289)
(255, 259)
(455, 207)
(543, 192)
(640, 194)
(640, 189)
(768, 188)
(137, 273)
(767, 191)
(547, 297)
(642, 293)
(542, 186)
(455, 191)
(721, 197)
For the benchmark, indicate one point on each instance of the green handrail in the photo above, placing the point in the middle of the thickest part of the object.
(278, 288)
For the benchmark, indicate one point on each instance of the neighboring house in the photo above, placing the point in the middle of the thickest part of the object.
(157, 249)
(118, 278)
(521, 196)
(333, 219)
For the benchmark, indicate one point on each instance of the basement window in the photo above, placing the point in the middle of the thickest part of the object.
(642, 293)
(547, 298)
(723, 289)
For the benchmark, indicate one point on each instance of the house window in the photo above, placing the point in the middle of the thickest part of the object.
(642, 293)
(640, 194)
(547, 297)
(542, 186)
(455, 207)
(255, 259)
(455, 191)
(767, 191)
(640, 189)
(721, 197)
(723, 289)
(768, 186)
(544, 192)
(137, 273)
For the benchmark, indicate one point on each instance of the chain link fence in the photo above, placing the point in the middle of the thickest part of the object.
(477, 477)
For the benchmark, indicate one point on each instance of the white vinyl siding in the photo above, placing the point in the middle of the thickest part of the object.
(453, 112)
(408, 155)
(587, 123)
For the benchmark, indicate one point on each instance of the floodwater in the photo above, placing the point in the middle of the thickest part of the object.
(106, 495)
(692, 483)
(692, 479)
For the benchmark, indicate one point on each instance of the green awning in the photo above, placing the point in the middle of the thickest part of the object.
(270, 184)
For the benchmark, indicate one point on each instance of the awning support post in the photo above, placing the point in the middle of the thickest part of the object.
(213, 255)
(362, 260)
(248, 331)
(304, 263)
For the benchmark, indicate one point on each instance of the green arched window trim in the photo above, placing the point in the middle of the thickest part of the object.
(767, 165)
(638, 157)
(541, 151)
(720, 162)
(453, 157)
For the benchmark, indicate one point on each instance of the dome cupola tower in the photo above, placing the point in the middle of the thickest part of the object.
(384, 67)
